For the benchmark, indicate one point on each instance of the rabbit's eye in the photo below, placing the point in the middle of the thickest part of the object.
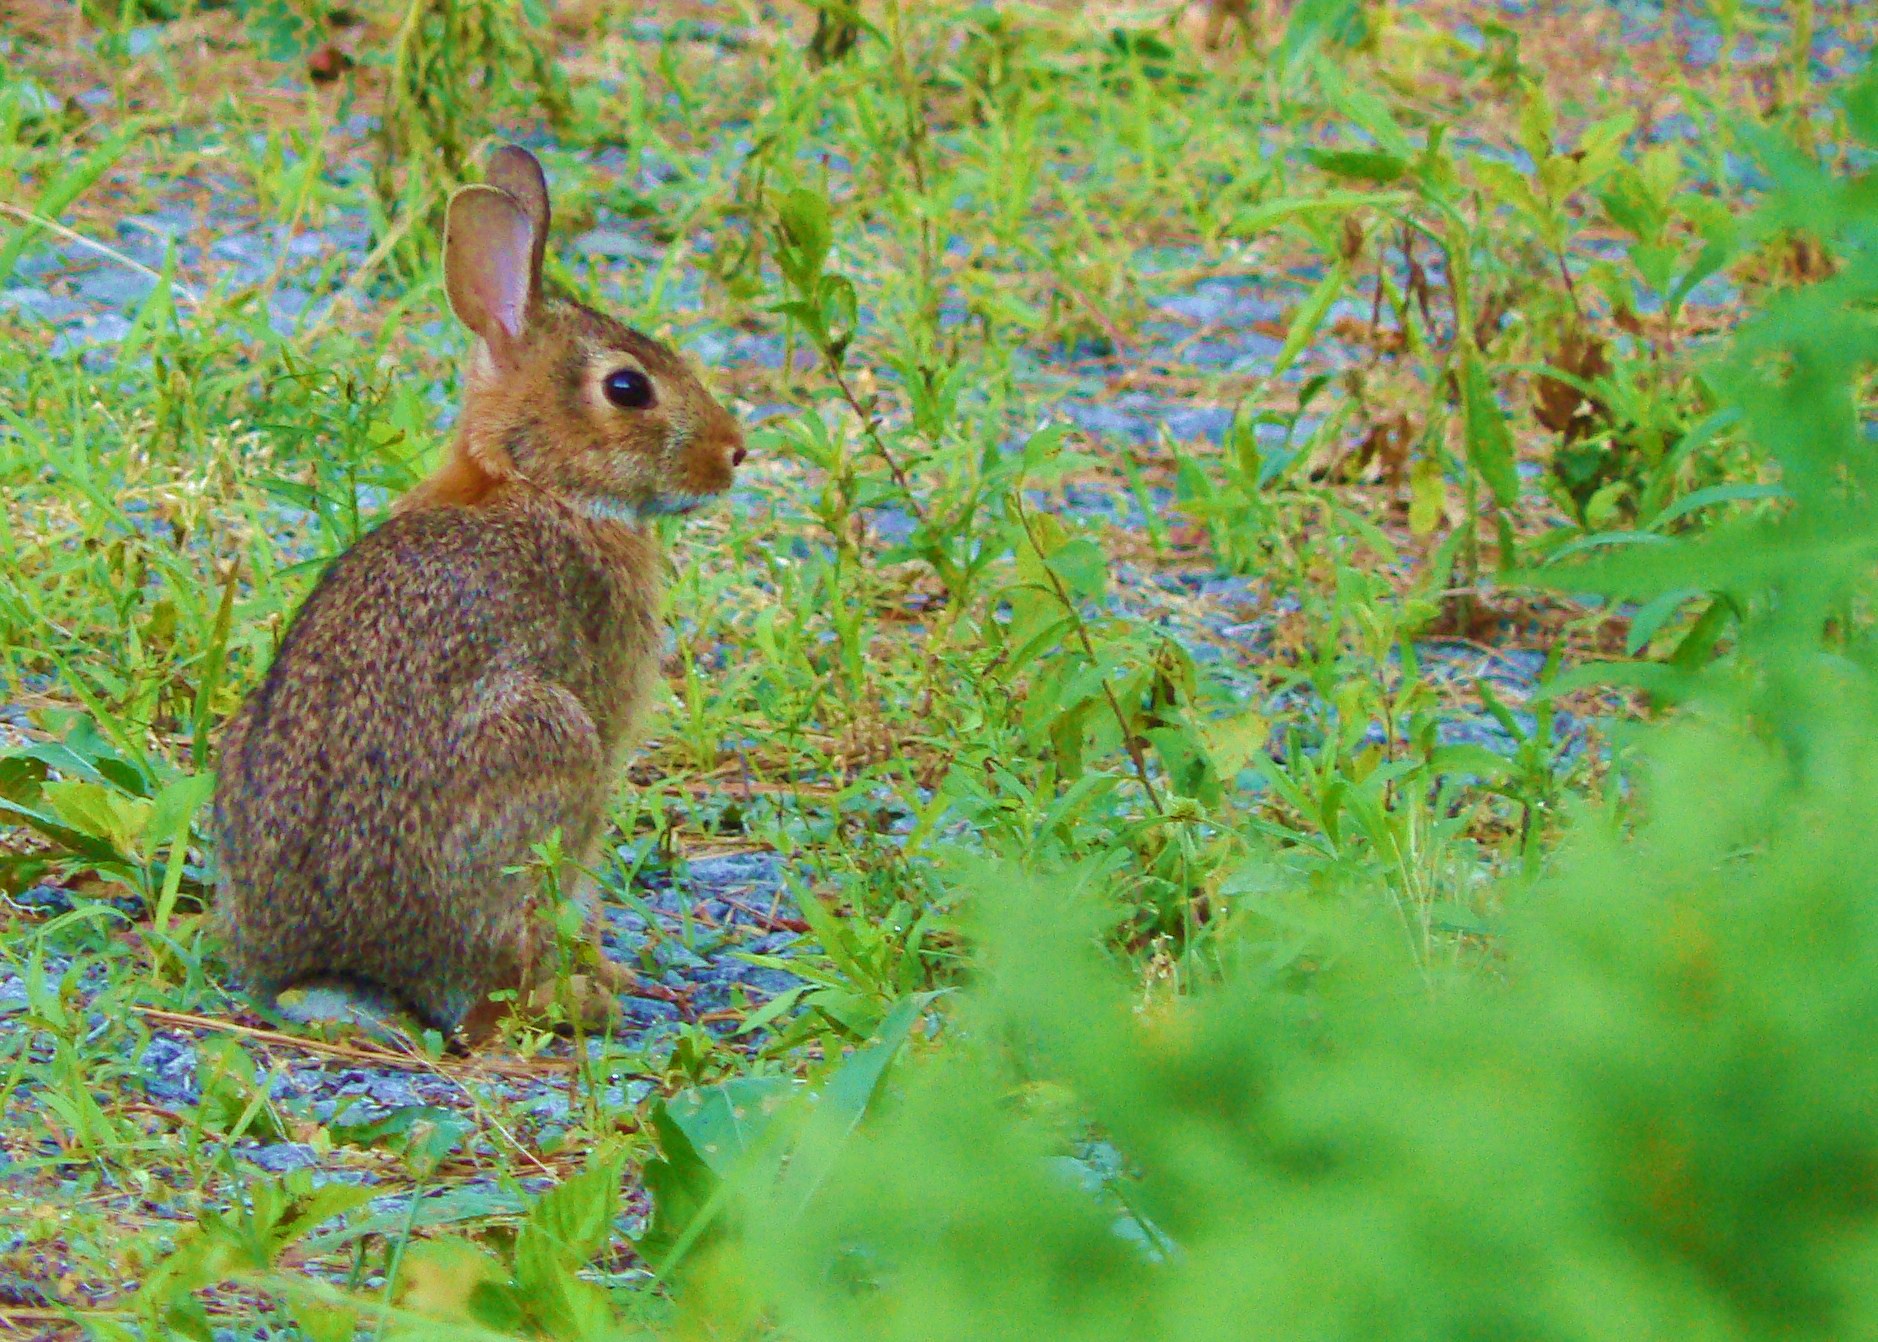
(628, 388)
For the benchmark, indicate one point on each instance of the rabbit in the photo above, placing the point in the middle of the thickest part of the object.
(1205, 20)
(466, 679)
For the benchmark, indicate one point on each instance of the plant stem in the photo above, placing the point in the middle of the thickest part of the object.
(1130, 741)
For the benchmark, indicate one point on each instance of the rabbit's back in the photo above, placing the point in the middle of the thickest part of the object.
(461, 677)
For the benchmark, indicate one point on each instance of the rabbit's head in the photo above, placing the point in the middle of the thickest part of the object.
(609, 420)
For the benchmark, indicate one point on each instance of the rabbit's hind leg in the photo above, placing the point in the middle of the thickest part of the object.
(591, 953)
(529, 761)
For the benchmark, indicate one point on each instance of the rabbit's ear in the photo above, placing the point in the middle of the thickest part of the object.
(514, 170)
(489, 251)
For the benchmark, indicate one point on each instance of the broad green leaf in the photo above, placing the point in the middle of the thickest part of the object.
(682, 1187)
(725, 1123)
(1083, 567)
(841, 1102)
(1185, 760)
(105, 813)
(575, 1218)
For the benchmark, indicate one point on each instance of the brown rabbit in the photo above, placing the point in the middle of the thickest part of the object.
(1206, 20)
(465, 680)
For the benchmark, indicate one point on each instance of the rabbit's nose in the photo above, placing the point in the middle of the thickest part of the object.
(737, 454)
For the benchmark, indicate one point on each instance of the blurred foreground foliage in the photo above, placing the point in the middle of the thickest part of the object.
(1652, 1118)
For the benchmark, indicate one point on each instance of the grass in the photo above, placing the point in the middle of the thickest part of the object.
(1156, 455)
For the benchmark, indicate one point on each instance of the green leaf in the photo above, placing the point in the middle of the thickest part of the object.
(704, 1137)
(214, 662)
(451, 1207)
(1628, 203)
(1313, 24)
(1259, 218)
(1508, 187)
(802, 216)
(1452, 917)
(1184, 757)
(1602, 144)
(575, 1218)
(1860, 100)
(175, 806)
(1308, 318)
(325, 1321)
(842, 1101)
(830, 935)
(1468, 759)
(1489, 440)
(1603, 540)
(679, 1182)
(1654, 614)
(1427, 494)
(1697, 500)
(1359, 165)
(778, 1005)
(725, 1123)
(77, 841)
(83, 754)
(105, 813)
(321, 1206)
(1699, 643)
(1538, 126)
(1083, 566)
(1363, 108)
(557, 1301)
(1233, 743)
(452, 1279)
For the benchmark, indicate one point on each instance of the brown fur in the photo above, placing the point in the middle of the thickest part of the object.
(466, 679)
